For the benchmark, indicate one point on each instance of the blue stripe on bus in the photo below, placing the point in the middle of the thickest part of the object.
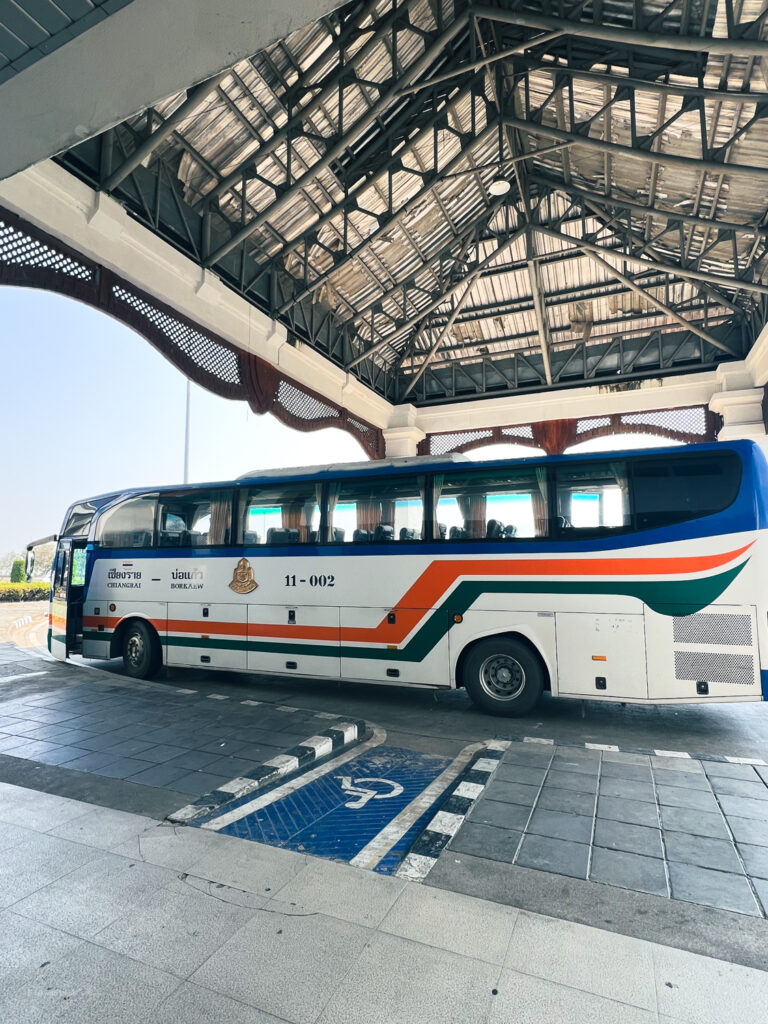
(764, 682)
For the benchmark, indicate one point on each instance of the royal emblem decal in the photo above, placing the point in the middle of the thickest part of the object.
(242, 578)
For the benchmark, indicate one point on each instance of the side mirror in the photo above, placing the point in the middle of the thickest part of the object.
(29, 564)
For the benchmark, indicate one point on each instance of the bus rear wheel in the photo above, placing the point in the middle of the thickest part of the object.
(142, 655)
(503, 676)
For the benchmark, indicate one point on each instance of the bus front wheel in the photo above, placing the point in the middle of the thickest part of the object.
(503, 676)
(142, 656)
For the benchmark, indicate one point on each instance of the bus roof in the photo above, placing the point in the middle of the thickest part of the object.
(385, 467)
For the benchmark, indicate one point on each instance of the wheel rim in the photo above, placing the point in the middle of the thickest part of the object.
(502, 677)
(134, 649)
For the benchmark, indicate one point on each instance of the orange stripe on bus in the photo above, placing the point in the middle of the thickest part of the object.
(436, 579)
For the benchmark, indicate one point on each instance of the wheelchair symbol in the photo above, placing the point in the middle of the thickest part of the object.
(363, 794)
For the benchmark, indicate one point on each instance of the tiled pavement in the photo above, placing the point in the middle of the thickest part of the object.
(112, 917)
(678, 827)
(187, 741)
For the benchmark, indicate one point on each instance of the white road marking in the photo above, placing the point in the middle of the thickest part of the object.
(186, 691)
(252, 703)
(25, 675)
(364, 794)
(740, 760)
(537, 739)
(284, 763)
(447, 823)
(470, 790)
(671, 753)
(325, 714)
(321, 745)
(485, 764)
(379, 735)
(217, 696)
(282, 707)
(600, 746)
(416, 867)
(381, 844)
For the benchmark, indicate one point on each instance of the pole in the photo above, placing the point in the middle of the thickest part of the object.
(186, 436)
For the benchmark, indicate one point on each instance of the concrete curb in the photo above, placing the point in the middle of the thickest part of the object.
(297, 760)
(423, 855)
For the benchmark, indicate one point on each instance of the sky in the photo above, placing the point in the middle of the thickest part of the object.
(88, 406)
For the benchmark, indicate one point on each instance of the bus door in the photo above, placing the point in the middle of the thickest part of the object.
(65, 632)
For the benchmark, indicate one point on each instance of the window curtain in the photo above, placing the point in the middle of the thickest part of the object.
(619, 470)
(368, 514)
(539, 499)
(333, 497)
(437, 489)
(221, 502)
(388, 511)
(292, 519)
(472, 509)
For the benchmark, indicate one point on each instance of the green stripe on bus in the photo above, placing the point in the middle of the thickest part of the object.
(667, 597)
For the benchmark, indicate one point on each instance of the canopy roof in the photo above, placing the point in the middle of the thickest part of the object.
(341, 180)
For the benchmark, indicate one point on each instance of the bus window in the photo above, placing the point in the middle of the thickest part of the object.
(280, 514)
(130, 524)
(592, 498)
(673, 489)
(377, 512)
(492, 505)
(194, 518)
(79, 520)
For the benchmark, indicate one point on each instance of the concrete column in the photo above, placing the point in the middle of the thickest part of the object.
(740, 404)
(403, 433)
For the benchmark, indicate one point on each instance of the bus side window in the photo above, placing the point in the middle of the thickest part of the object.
(673, 489)
(131, 524)
(592, 498)
(194, 518)
(280, 514)
(497, 505)
(377, 512)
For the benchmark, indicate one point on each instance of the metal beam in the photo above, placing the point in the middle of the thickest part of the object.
(755, 230)
(422, 64)
(404, 328)
(462, 69)
(387, 225)
(542, 323)
(439, 340)
(644, 155)
(730, 284)
(661, 306)
(728, 45)
(195, 99)
(326, 90)
(628, 82)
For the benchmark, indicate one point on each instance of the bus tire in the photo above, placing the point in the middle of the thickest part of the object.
(142, 655)
(503, 676)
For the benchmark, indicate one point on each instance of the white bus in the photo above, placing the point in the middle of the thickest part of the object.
(630, 576)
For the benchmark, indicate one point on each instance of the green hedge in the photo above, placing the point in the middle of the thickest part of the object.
(25, 591)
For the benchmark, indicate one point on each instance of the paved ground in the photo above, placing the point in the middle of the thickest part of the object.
(111, 917)
(113, 735)
(24, 623)
(443, 722)
(665, 849)
(693, 830)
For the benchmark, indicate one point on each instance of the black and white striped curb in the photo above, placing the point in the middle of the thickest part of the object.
(298, 759)
(422, 856)
(638, 750)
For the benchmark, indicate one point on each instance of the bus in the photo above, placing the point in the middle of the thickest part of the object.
(631, 576)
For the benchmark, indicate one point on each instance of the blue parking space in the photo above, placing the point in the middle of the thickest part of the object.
(337, 815)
